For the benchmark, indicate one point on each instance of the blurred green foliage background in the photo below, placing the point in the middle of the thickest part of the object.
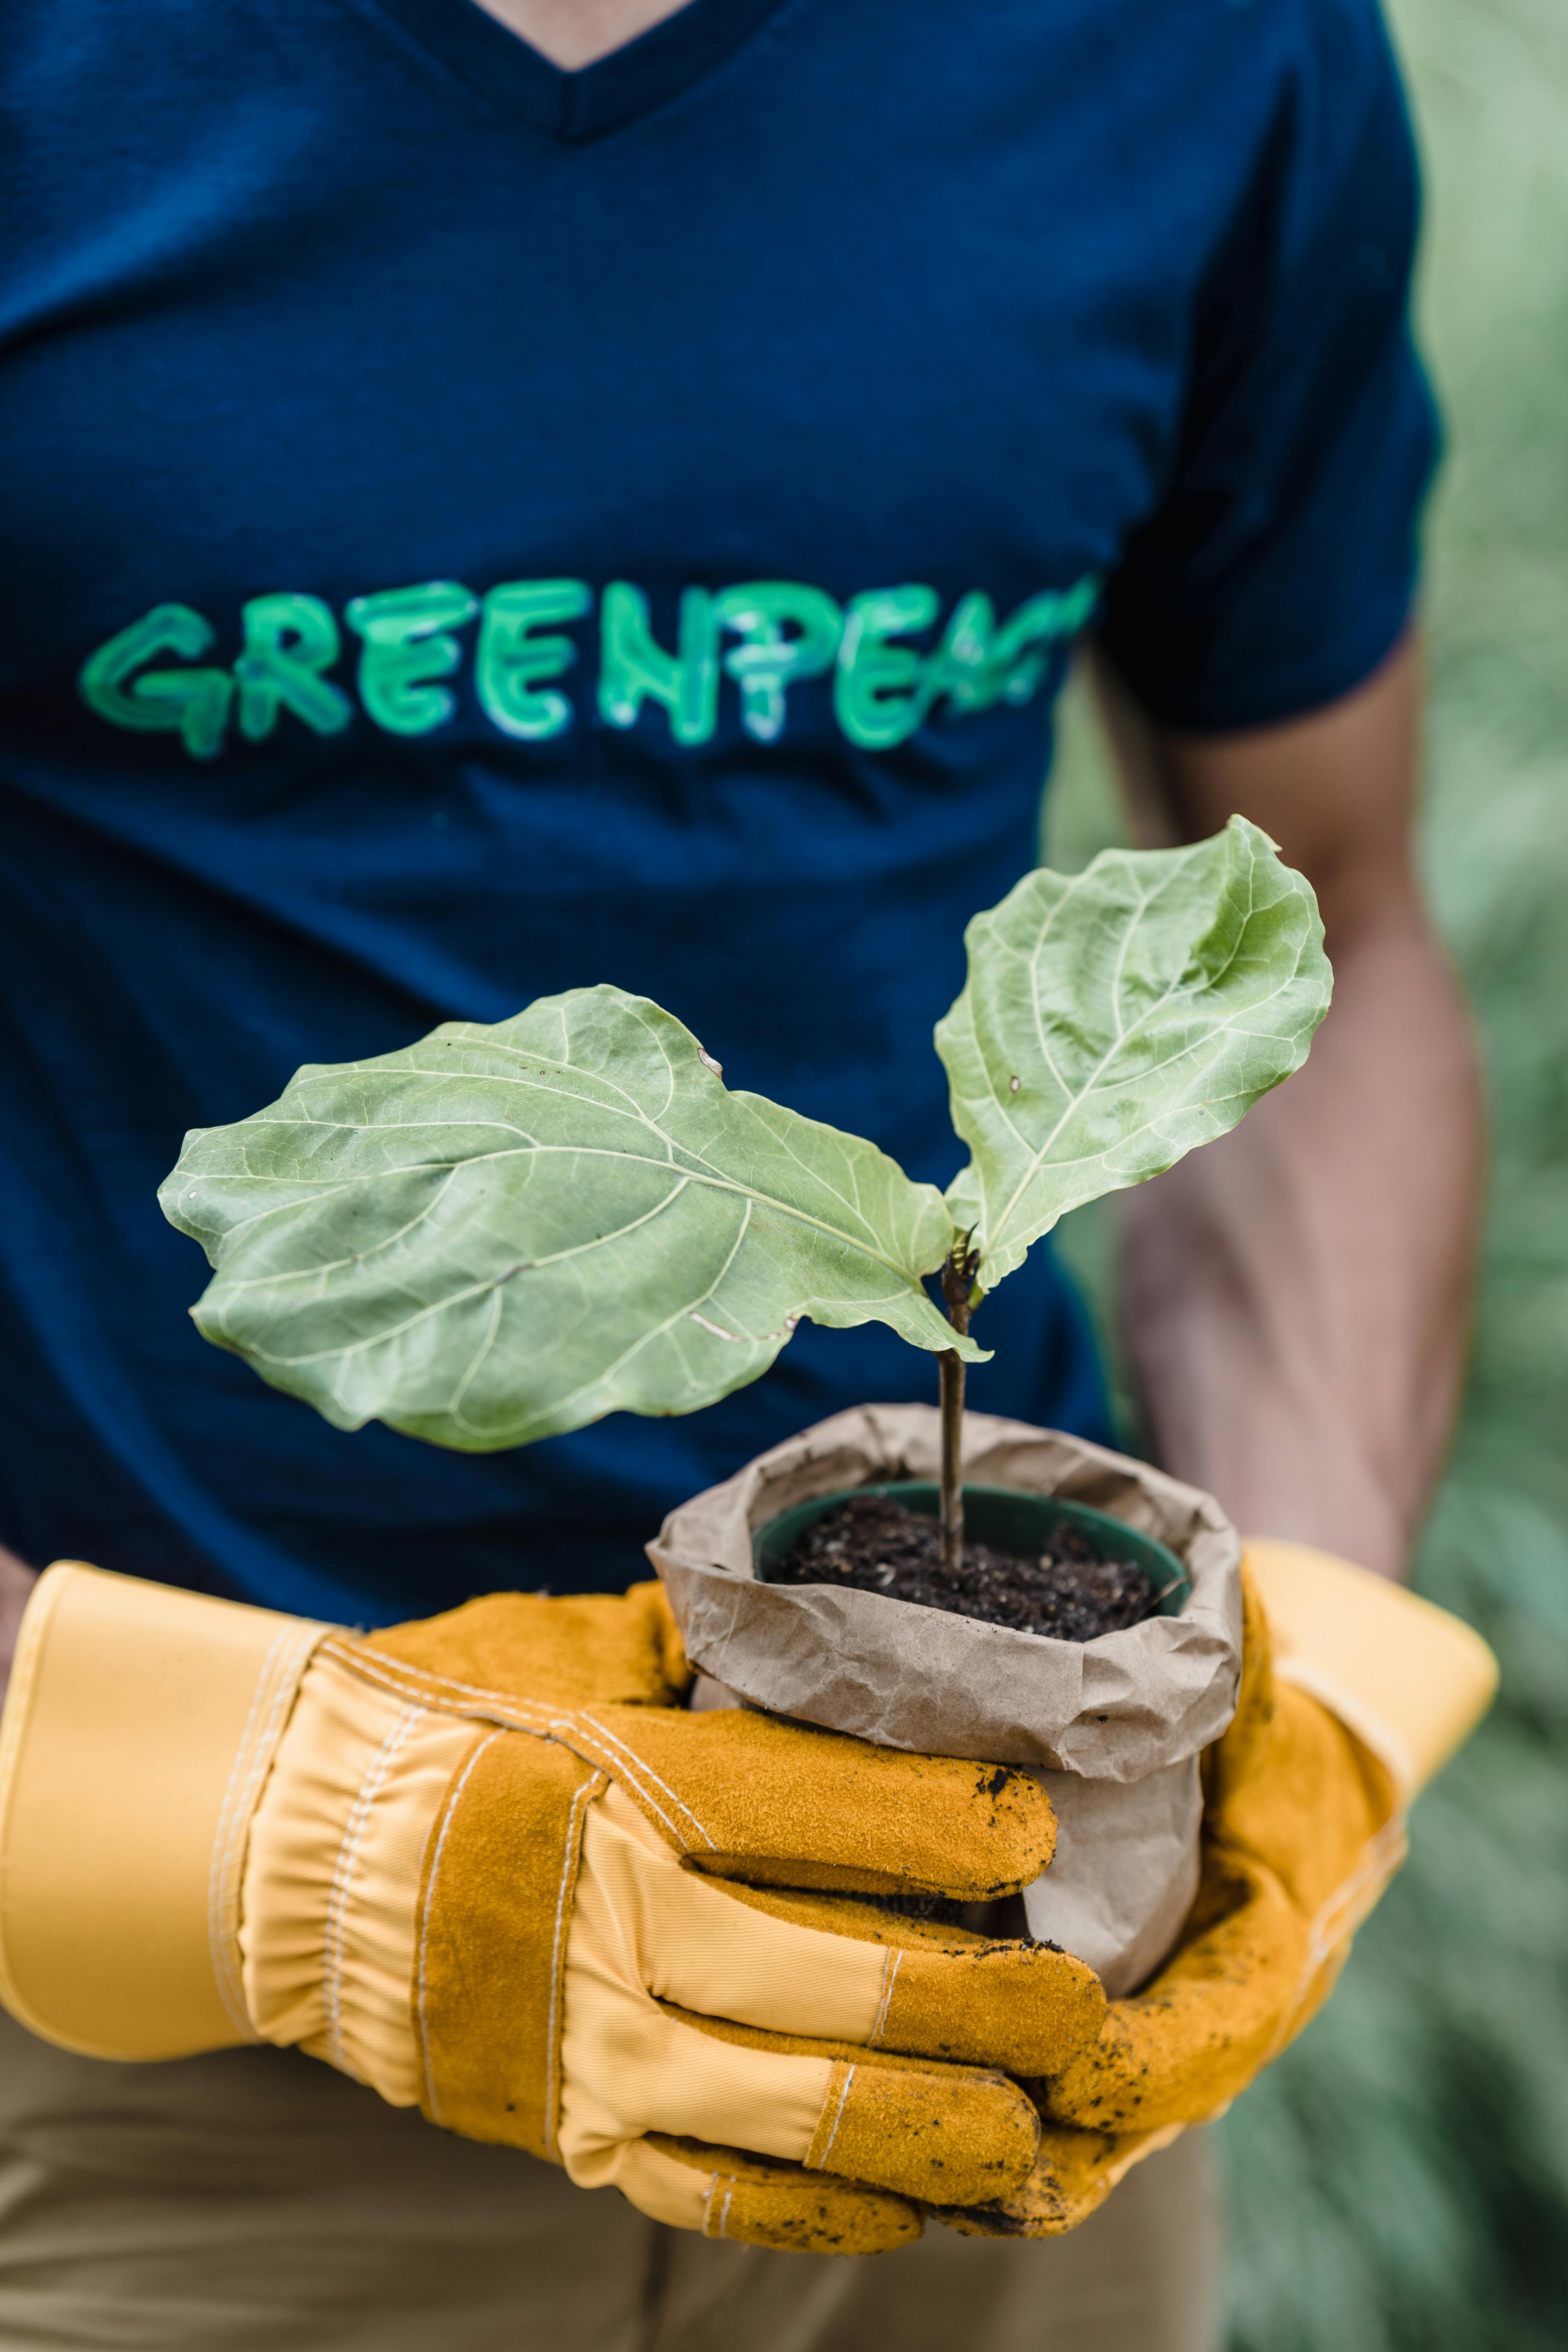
(1399, 2181)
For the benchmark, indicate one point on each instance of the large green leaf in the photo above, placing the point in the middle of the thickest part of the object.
(503, 1233)
(1113, 1019)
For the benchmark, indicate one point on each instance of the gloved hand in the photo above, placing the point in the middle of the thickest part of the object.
(1352, 1693)
(489, 1864)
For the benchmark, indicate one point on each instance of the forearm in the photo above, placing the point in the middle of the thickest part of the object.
(17, 1581)
(1296, 1297)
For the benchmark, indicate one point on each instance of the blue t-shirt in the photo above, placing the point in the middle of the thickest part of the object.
(471, 531)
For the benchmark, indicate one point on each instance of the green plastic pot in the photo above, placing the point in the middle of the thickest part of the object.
(1003, 1516)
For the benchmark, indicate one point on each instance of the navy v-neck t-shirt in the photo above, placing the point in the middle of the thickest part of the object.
(470, 530)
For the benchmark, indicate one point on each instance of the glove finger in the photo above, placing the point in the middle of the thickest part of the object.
(1074, 2172)
(830, 1965)
(958, 2134)
(567, 1652)
(783, 1804)
(939, 1991)
(723, 2193)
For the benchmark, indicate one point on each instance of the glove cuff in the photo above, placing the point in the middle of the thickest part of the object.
(1408, 1679)
(139, 1728)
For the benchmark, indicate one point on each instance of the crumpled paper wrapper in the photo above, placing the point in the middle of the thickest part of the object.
(1113, 1725)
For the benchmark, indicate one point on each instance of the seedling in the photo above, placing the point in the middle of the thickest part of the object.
(503, 1233)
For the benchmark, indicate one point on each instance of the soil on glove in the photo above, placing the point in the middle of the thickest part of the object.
(875, 1544)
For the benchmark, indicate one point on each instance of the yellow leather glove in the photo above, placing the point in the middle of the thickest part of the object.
(1353, 1692)
(490, 1864)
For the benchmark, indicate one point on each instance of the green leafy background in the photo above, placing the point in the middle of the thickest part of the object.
(1399, 2181)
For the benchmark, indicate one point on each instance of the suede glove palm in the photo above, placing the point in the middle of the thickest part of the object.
(490, 1864)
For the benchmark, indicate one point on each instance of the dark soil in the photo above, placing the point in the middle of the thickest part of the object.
(874, 1544)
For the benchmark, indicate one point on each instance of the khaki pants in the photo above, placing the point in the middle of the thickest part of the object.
(257, 2199)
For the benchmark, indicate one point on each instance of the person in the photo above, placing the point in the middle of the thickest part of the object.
(495, 500)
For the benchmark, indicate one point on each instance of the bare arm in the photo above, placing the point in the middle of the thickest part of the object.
(1296, 1297)
(17, 1581)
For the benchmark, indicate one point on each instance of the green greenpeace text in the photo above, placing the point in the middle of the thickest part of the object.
(403, 652)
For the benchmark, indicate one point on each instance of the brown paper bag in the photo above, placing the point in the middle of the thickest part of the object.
(1114, 1725)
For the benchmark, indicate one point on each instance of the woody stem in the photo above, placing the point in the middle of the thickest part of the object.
(957, 1283)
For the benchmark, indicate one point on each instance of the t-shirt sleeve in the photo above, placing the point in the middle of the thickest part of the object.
(1280, 564)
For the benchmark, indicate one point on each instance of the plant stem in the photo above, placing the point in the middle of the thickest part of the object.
(957, 1284)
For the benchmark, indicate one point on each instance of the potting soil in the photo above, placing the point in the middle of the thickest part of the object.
(875, 1544)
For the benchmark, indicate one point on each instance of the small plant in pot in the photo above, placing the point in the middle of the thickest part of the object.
(500, 1234)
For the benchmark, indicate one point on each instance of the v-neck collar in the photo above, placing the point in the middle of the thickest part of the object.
(598, 97)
